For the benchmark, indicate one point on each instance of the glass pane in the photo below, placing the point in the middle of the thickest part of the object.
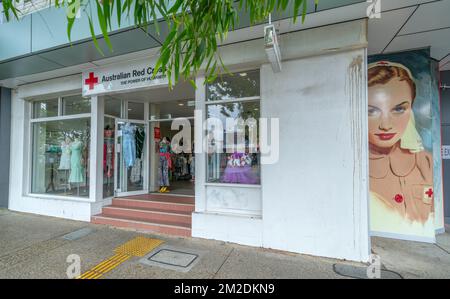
(172, 109)
(131, 156)
(108, 157)
(76, 105)
(46, 108)
(60, 157)
(233, 151)
(113, 107)
(136, 111)
(238, 85)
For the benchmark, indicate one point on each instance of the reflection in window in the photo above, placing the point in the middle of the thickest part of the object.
(113, 107)
(76, 105)
(136, 111)
(45, 108)
(238, 85)
(60, 157)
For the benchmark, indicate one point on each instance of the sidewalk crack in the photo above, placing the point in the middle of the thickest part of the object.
(443, 249)
(228, 256)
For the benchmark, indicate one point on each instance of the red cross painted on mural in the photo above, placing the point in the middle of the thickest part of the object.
(429, 193)
(91, 81)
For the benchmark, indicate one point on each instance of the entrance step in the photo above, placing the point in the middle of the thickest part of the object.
(167, 214)
(148, 214)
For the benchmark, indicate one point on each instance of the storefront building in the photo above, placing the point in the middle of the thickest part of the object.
(87, 146)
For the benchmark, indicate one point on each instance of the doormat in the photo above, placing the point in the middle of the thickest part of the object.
(172, 258)
(360, 272)
(78, 234)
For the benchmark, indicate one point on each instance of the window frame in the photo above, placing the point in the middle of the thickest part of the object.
(59, 117)
(227, 101)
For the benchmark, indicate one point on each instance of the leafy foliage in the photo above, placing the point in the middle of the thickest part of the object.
(195, 27)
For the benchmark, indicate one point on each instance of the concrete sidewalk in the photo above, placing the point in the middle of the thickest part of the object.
(32, 247)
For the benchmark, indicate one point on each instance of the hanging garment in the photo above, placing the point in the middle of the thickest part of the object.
(135, 176)
(64, 162)
(110, 159)
(192, 165)
(129, 144)
(140, 139)
(164, 170)
(76, 169)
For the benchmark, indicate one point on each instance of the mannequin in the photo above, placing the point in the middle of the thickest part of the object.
(64, 163)
(76, 168)
(165, 163)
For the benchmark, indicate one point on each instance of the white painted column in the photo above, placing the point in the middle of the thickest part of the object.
(200, 156)
(96, 150)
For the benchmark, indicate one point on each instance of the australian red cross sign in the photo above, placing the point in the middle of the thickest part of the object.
(121, 77)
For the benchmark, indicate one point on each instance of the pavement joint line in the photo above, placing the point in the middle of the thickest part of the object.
(228, 256)
(137, 247)
(443, 249)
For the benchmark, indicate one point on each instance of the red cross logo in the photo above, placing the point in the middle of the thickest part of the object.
(429, 193)
(91, 81)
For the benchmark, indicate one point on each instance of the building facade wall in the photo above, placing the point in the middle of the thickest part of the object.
(445, 114)
(5, 135)
(313, 200)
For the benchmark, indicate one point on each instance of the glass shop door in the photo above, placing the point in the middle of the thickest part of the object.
(131, 167)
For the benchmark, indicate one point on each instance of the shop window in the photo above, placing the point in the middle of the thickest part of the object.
(60, 157)
(135, 111)
(113, 107)
(232, 133)
(76, 105)
(235, 86)
(45, 108)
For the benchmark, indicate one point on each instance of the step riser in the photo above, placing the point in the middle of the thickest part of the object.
(143, 226)
(152, 205)
(147, 216)
(161, 197)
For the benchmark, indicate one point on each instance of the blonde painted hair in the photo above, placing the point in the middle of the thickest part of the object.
(382, 72)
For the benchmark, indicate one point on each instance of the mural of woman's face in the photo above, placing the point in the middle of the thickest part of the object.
(390, 108)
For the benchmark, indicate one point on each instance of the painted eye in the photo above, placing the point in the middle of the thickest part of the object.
(399, 109)
(373, 111)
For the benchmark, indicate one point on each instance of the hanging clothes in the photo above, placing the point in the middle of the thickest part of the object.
(135, 176)
(76, 169)
(129, 144)
(140, 140)
(164, 171)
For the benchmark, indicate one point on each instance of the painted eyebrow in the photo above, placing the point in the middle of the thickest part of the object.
(401, 104)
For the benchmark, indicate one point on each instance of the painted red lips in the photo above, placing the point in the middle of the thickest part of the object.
(386, 136)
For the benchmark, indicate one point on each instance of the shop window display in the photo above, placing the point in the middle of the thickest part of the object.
(60, 157)
(233, 153)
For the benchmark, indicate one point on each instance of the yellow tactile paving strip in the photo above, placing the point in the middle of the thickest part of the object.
(137, 247)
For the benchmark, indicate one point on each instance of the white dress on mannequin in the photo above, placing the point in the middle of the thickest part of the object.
(64, 163)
